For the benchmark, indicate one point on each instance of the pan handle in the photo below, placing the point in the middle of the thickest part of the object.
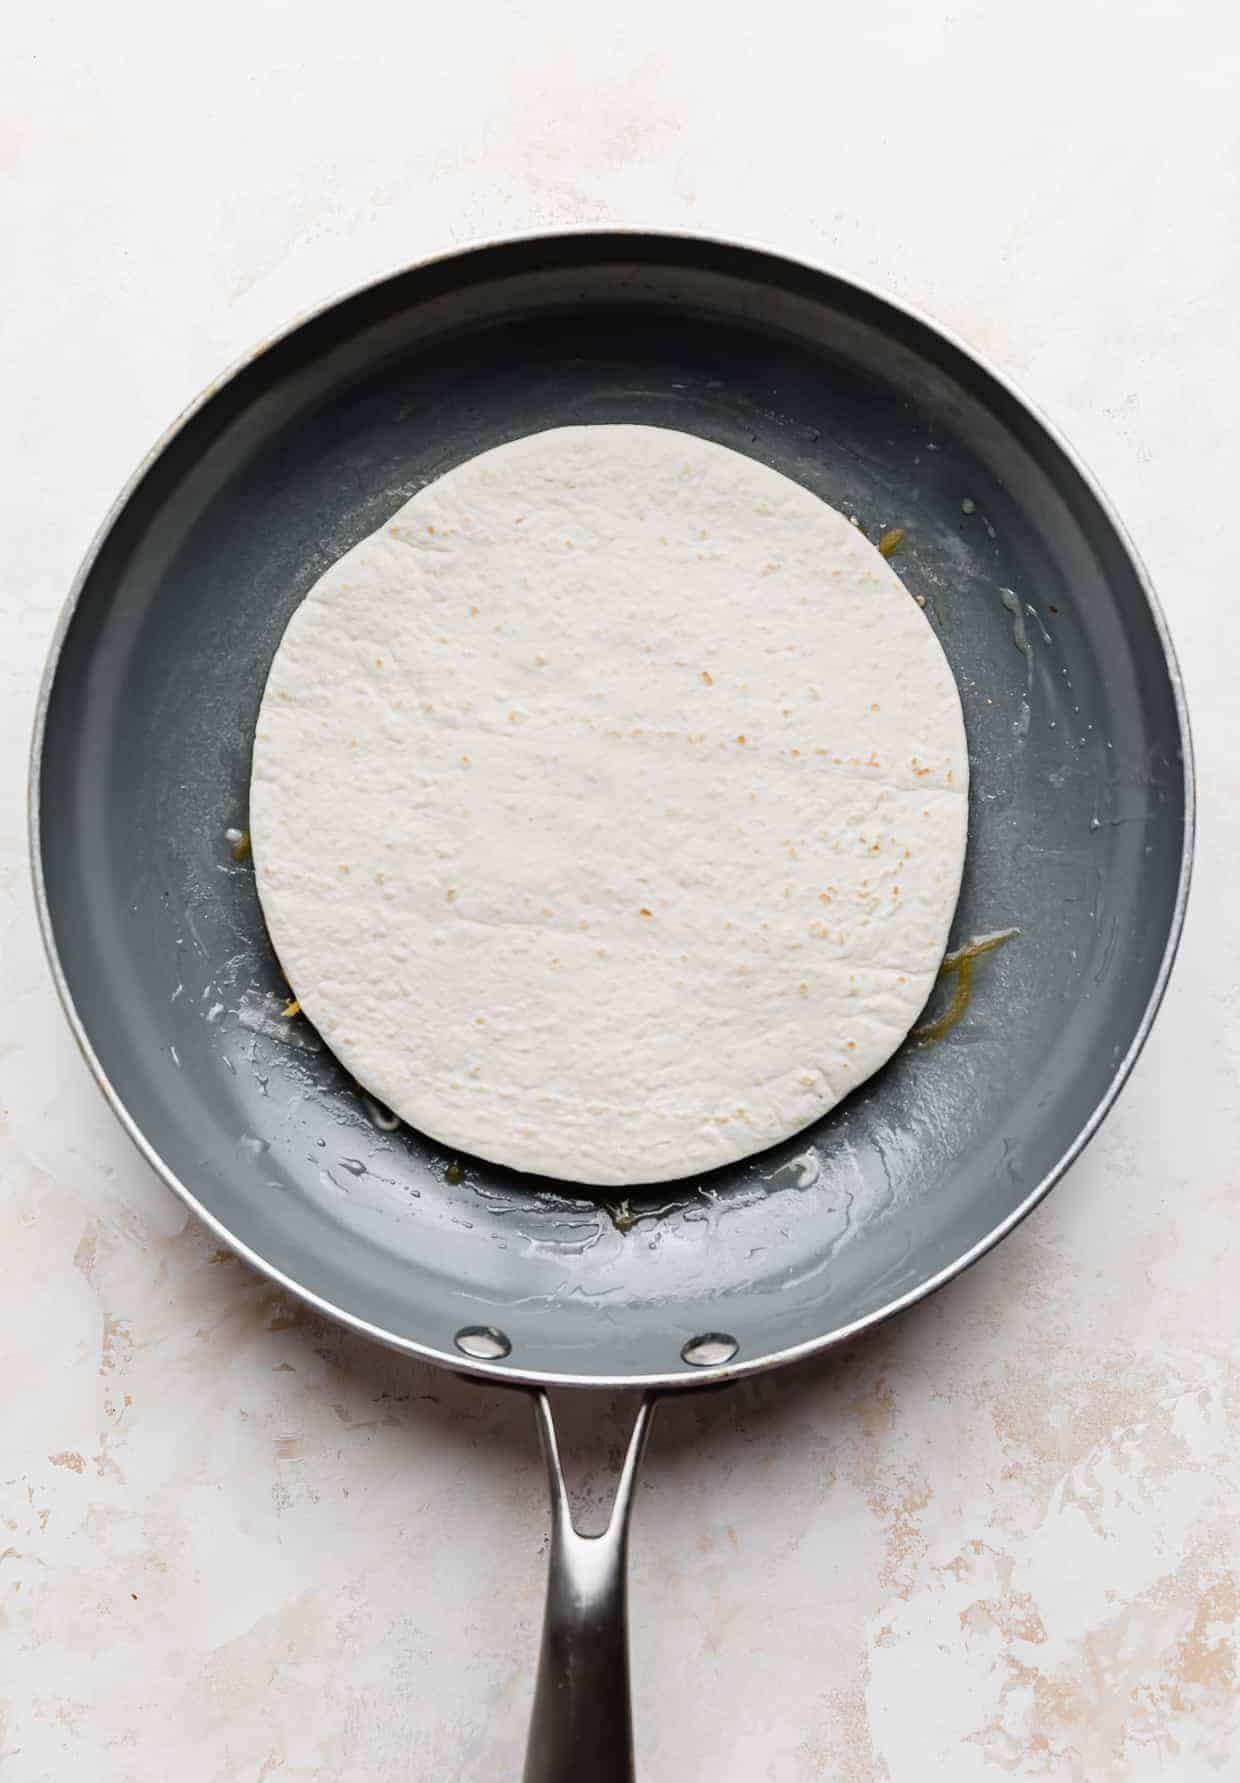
(582, 1723)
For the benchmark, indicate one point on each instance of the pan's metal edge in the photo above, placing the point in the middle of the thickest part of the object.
(497, 1372)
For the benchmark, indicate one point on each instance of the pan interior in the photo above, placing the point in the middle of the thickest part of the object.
(1078, 806)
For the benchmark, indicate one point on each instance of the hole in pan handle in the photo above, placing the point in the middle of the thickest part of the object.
(582, 1723)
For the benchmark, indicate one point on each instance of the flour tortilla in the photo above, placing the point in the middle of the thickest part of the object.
(609, 806)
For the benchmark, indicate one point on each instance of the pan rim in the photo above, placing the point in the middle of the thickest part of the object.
(504, 1372)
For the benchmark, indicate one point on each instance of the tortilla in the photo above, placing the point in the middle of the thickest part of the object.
(609, 806)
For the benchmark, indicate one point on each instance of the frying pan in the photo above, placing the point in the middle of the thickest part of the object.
(1081, 814)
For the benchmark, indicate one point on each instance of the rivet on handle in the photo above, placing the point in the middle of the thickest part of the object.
(709, 1350)
(483, 1342)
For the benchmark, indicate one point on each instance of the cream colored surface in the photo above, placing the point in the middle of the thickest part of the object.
(996, 1542)
(609, 806)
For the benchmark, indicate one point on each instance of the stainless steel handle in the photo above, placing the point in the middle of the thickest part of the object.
(582, 1725)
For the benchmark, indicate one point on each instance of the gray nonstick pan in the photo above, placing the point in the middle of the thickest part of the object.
(1081, 815)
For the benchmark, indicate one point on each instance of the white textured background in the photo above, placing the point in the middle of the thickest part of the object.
(997, 1541)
